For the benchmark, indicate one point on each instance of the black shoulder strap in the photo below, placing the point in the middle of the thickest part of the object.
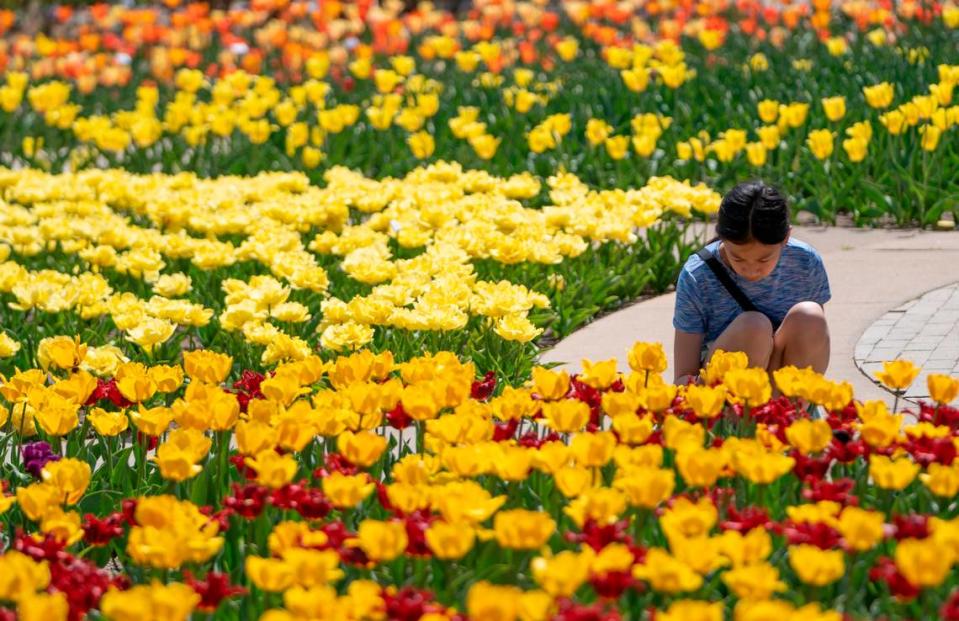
(720, 271)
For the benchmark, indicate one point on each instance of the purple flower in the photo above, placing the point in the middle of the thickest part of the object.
(36, 455)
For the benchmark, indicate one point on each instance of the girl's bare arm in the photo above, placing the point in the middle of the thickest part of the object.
(686, 351)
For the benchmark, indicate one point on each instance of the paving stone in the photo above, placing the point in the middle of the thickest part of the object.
(882, 354)
(937, 330)
(917, 357)
(926, 341)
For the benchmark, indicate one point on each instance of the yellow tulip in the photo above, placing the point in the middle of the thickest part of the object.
(749, 385)
(861, 529)
(347, 491)
(879, 95)
(566, 416)
(43, 607)
(599, 375)
(754, 582)
(809, 436)
(382, 541)
(269, 574)
(560, 575)
(930, 137)
(924, 563)
(362, 449)
(648, 357)
(815, 566)
(701, 467)
(834, 107)
(756, 153)
(520, 529)
(60, 352)
(490, 602)
(897, 374)
(617, 147)
(421, 144)
(942, 388)
(645, 486)
(207, 366)
(892, 474)
(768, 110)
(820, 143)
(705, 401)
(450, 541)
(597, 131)
(941, 480)
(665, 574)
(272, 469)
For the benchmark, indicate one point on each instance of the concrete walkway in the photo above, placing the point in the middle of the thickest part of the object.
(924, 330)
(870, 273)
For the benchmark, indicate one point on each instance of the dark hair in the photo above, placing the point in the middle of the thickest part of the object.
(753, 211)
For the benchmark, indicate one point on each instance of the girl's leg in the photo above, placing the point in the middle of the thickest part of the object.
(802, 340)
(751, 333)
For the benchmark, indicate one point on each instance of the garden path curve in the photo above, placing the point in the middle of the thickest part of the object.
(870, 272)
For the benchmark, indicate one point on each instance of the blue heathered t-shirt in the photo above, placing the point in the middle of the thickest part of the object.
(703, 306)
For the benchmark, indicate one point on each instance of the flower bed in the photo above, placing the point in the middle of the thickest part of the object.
(848, 105)
(271, 268)
(364, 488)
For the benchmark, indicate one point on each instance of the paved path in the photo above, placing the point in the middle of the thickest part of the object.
(924, 330)
(870, 272)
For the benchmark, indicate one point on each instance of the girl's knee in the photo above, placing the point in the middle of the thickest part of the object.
(808, 318)
(754, 324)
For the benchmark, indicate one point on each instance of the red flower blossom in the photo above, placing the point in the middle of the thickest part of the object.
(46, 549)
(598, 537)
(568, 610)
(779, 411)
(97, 532)
(222, 518)
(836, 490)
(417, 523)
(213, 589)
(810, 467)
(746, 519)
(83, 583)
(912, 526)
(407, 604)
(504, 431)
(925, 450)
(482, 389)
(336, 532)
(398, 418)
(818, 534)
(334, 462)
(531, 440)
(107, 389)
(613, 584)
(950, 610)
(239, 462)
(247, 388)
(247, 500)
(846, 451)
(939, 415)
(129, 507)
(885, 570)
(150, 441)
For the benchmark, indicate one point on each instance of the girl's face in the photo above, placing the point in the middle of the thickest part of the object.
(752, 260)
